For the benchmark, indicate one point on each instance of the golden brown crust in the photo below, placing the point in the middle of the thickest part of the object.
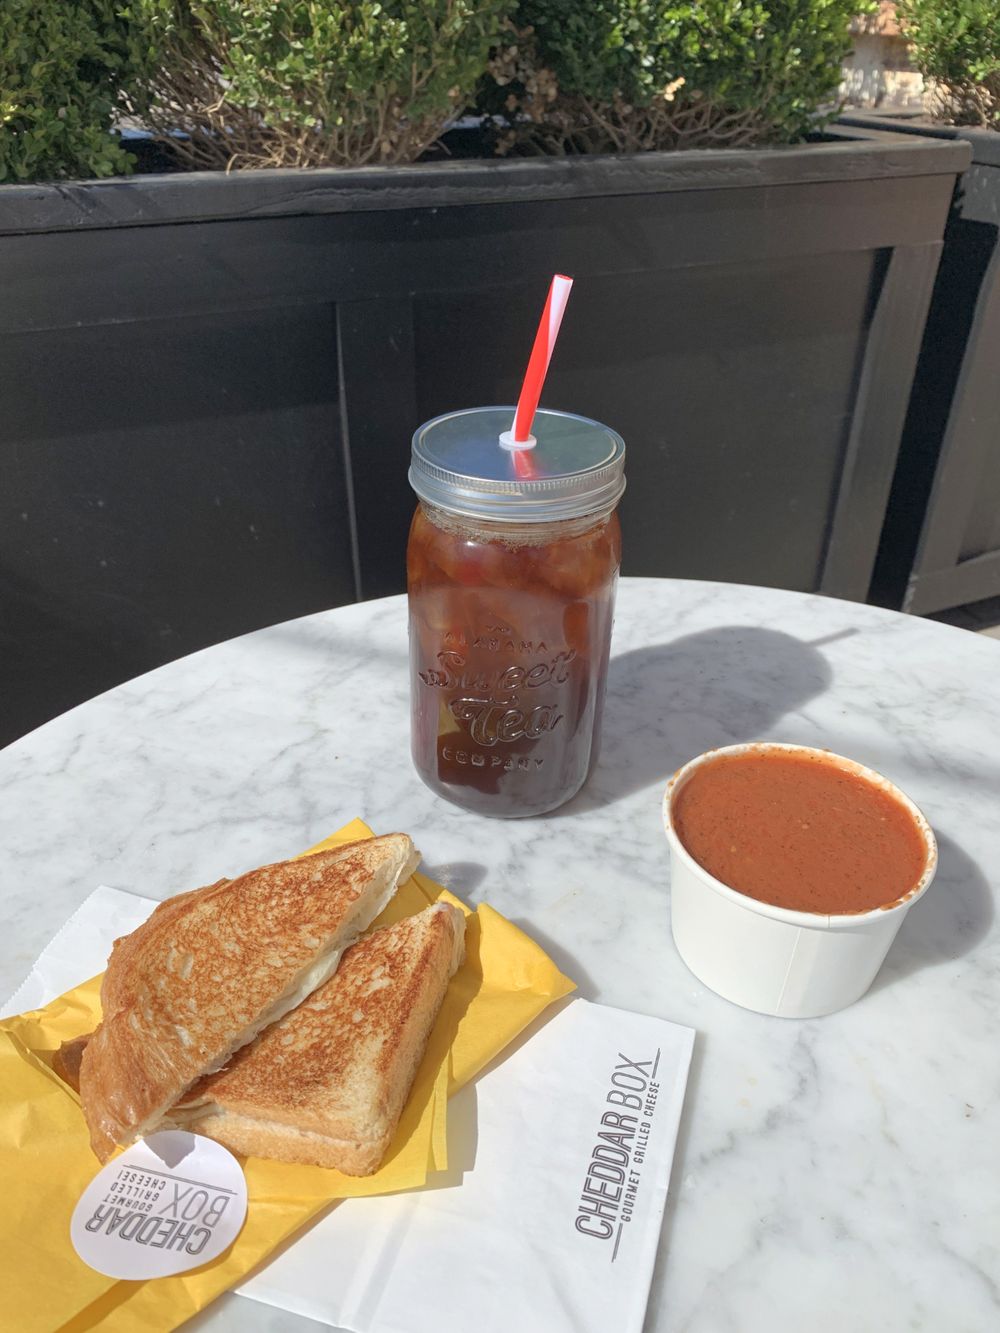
(327, 1084)
(194, 981)
(66, 1061)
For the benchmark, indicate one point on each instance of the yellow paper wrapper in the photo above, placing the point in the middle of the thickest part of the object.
(45, 1158)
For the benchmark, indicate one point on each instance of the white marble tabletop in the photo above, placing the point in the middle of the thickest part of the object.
(839, 1173)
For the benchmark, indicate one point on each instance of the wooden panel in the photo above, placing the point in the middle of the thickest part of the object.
(958, 555)
(877, 420)
(166, 486)
(968, 581)
(57, 281)
(844, 156)
(971, 443)
(941, 541)
(379, 414)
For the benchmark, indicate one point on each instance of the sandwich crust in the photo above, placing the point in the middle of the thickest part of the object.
(328, 1083)
(66, 1061)
(210, 968)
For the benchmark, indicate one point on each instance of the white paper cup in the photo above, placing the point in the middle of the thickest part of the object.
(766, 958)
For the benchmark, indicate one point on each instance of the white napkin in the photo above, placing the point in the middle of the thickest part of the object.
(548, 1218)
(80, 948)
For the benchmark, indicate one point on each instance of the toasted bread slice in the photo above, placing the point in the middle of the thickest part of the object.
(211, 968)
(327, 1084)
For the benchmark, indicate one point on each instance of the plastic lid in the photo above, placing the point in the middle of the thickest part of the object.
(575, 467)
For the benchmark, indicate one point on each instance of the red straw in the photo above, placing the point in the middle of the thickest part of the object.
(541, 355)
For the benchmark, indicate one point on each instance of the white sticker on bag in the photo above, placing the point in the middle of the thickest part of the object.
(171, 1202)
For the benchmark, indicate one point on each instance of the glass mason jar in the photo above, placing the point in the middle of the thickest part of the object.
(512, 567)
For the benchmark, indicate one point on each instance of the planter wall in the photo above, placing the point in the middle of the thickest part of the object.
(941, 544)
(210, 382)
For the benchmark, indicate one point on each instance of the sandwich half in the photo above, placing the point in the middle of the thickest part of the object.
(212, 968)
(327, 1084)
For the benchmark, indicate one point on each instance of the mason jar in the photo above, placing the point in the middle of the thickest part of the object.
(512, 567)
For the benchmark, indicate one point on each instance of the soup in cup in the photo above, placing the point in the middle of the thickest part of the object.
(791, 872)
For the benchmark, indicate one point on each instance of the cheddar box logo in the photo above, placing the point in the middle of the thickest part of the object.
(613, 1181)
(188, 1215)
(169, 1203)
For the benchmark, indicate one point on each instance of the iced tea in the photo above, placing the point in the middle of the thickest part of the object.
(510, 630)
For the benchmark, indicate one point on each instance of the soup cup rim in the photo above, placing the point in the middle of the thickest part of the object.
(792, 917)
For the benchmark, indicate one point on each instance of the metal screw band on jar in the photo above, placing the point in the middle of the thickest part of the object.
(575, 467)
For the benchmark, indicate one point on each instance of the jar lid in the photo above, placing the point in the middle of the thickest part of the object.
(574, 467)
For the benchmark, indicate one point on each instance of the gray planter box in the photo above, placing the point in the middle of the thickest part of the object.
(210, 382)
(941, 545)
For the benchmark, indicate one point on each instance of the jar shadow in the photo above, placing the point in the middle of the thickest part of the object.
(669, 702)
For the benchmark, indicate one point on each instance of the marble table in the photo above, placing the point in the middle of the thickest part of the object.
(840, 1173)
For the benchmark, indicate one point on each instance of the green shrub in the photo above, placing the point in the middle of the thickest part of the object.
(252, 83)
(62, 64)
(633, 74)
(956, 44)
(302, 83)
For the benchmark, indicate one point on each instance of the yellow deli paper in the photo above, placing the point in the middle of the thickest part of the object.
(46, 1161)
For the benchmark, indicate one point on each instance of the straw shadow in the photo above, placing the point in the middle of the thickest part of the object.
(668, 702)
(952, 917)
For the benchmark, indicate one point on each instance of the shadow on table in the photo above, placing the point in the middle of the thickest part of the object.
(668, 702)
(462, 878)
(951, 918)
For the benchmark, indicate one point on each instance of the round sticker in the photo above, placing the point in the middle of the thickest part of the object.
(171, 1202)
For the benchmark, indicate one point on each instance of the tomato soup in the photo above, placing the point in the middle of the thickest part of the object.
(796, 830)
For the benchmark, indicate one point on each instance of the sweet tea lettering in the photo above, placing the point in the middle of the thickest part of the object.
(488, 700)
